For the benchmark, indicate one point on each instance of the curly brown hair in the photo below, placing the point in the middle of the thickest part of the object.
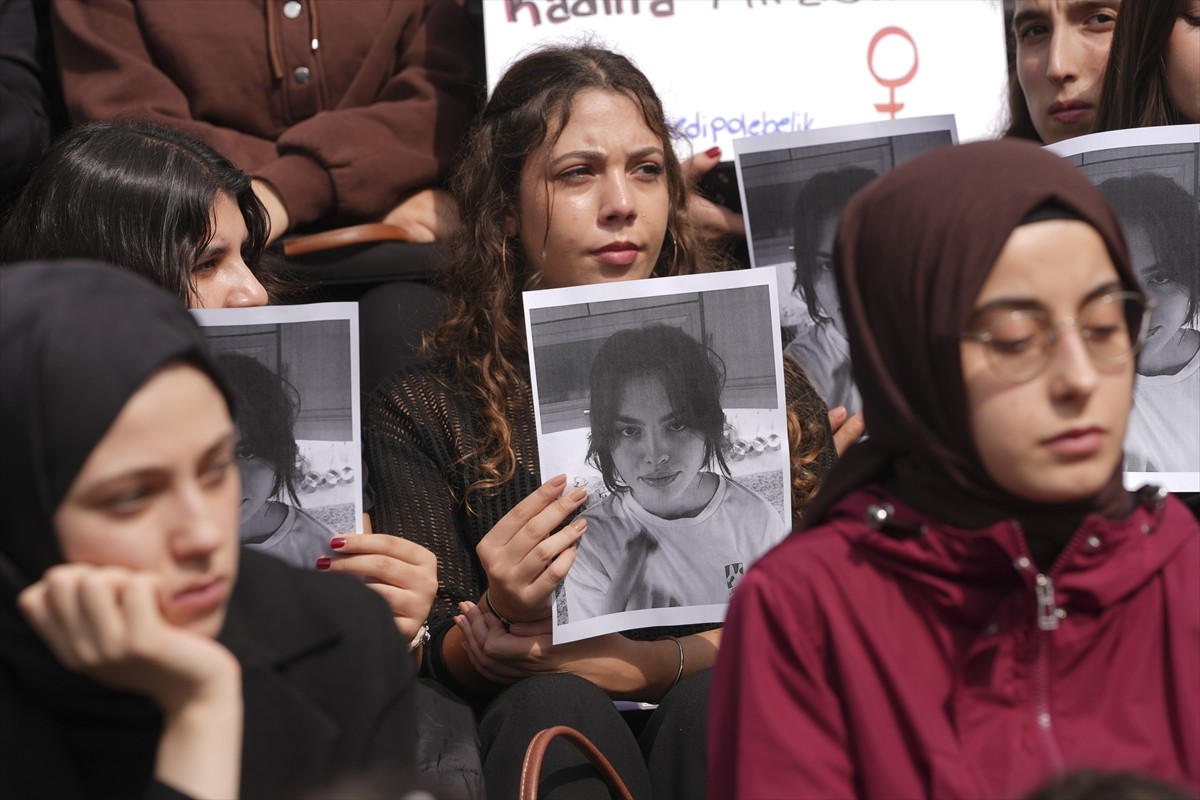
(481, 336)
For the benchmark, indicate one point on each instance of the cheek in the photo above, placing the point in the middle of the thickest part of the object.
(93, 538)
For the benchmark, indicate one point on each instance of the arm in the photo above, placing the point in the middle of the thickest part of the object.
(363, 133)
(104, 622)
(625, 668)
(775, 723)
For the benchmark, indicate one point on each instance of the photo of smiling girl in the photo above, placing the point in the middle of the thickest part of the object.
(1162, 229)
(675, 529)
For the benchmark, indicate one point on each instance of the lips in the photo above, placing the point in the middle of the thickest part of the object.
(1070, 111)
(659, 480)
(199, 596)
(620, 254)
(1076, 442)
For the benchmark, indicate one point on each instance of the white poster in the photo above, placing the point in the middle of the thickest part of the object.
(793, 189)
(1151, 176)
(732, 68)
(293, 371)
(665, 398)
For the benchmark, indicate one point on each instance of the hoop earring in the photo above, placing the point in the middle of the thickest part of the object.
(674, 251)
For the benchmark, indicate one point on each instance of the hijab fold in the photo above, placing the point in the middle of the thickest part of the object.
(913, 250)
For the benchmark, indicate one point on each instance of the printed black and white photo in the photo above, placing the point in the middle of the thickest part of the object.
(293, 372)
(795, 186)
(1151, 176)
(664, 399)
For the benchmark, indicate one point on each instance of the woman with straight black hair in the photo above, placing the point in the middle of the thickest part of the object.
(152, 200)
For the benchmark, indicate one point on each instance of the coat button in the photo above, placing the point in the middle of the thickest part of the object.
(301, 74)
(291, 9)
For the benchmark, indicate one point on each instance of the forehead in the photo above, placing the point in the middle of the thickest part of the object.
(602, 118)
(643, 396)
(1055, 262)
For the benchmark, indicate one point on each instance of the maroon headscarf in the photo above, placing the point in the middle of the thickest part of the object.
(913, 250)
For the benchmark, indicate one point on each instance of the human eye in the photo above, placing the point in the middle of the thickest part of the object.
(203, 267)
(1103, 19)
(677, 426)
(1032, 31)
(628, 431)
(125, 501)
(575, 174)
(1014, 335)
(824, 265)
(215, 472)
(1156, 278)
(650, 170)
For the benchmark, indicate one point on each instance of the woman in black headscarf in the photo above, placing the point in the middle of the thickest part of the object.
(977, 603)
(142, 652)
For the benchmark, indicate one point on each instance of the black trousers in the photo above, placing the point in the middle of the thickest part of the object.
(666, 760)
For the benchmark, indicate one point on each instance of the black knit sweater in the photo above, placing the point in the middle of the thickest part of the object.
(419, 423)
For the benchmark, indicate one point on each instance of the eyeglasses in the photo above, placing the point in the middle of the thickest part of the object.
(1018, 344)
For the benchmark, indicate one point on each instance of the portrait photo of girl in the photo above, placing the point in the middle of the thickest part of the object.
(666, 408)
(1162, 229)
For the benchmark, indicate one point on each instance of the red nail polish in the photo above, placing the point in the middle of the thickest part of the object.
(713, 152)
(337, 542)
(324, 562)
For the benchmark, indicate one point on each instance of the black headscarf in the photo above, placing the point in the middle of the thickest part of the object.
(77, 340)
(913, 251)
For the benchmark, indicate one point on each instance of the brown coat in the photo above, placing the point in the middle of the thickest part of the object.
(378, 114)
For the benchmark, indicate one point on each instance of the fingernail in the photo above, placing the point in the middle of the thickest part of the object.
(337, 542)
(713, 152)
(558, 480)
(839, 411)
(324, 562)
(579, 524)
(577, 495)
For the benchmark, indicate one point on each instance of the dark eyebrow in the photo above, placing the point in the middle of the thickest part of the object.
(212, 251)
(1027, 15)
(1029, 304)
(595, 155)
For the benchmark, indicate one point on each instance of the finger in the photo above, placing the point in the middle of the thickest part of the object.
(381, 568)
(837, 417)
(103, 615)
(698, 165)
(850, 432)
(550, 548)
(543, 627)
(520, 514)
(385, 544)
(554, 573)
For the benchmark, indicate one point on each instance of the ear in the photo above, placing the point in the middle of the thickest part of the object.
(512, 225)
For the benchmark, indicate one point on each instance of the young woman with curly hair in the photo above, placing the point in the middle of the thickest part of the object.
(569, 177)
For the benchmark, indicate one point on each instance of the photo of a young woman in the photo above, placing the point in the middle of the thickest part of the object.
(1162, 229)
(675, 528)
(272, 520)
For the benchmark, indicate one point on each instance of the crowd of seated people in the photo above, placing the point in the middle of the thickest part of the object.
(971, 603)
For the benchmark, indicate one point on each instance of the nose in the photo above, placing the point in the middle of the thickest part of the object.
(617, 204)
(246, 291)
(1073, 374)
(199, 526)
(656, 451)
(1062, 64)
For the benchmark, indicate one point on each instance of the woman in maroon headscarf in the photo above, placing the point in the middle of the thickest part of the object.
(977, 603)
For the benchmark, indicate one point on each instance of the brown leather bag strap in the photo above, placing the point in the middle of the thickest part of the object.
(531, 767)
(343, 237)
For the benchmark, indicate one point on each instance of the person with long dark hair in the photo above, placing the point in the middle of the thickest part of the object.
(568, 177)
(149, 199)
(1153, 73)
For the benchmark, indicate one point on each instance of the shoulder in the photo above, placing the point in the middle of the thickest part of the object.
(277, 611)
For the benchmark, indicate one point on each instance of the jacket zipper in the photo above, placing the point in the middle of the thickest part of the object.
(1047, 618)
(1047, 621)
